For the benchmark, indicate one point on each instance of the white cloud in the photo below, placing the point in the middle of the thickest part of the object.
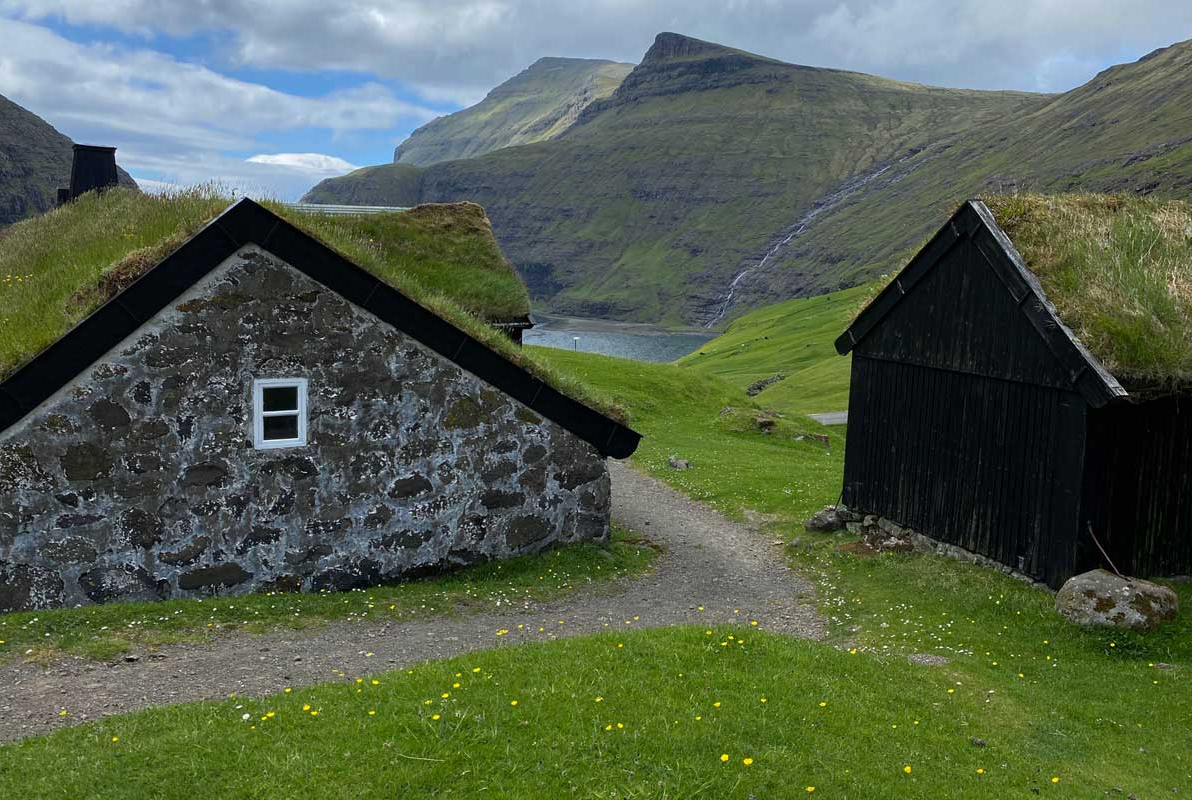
(306, 163)
(460, 48)
(174, 118)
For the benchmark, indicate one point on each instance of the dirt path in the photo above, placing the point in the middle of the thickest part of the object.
(734, 573)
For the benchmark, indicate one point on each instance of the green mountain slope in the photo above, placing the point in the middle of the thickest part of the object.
(713, 181)
(652, 203)
(535, 105)
(1129, 129)
(34, 162)
(793, 339)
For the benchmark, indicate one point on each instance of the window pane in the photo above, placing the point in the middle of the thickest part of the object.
(280, 398)
(280, 427)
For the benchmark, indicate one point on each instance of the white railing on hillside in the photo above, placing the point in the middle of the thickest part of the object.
(324, 208)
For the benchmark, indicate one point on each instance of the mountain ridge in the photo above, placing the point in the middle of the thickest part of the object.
(537, 104)
(712, 181)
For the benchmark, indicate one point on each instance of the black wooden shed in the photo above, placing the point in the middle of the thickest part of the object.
(978, 418)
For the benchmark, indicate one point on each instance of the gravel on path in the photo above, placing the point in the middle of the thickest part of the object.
(733, 573)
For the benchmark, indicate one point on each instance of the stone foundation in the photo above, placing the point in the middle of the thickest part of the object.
(139, 479)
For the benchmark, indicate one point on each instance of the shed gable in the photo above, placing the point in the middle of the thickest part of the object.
(967, 301)
(960, 317)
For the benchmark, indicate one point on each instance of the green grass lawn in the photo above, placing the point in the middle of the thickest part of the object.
(735, 467)
(672, 713)
(1026, 705)
(105, 631)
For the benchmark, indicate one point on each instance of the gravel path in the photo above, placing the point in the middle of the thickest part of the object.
(734, 573)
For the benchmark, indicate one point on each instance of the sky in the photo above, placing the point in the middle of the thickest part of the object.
(270, 97)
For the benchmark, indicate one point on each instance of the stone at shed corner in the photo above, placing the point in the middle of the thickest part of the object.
(831, 518)
(1101, 598)
(678, 463)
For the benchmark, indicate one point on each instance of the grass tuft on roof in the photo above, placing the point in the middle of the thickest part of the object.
(58, 268)
(1118, 270)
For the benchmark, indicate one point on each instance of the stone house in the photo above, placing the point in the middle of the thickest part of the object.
(257, 412)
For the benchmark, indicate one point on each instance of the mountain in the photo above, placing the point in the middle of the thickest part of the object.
(713, 180)
(535, 105)
(34, 161)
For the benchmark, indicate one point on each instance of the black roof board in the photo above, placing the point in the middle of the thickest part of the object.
(246, 222)
(974, 220)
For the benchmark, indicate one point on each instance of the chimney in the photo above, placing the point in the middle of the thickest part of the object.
(94, 167)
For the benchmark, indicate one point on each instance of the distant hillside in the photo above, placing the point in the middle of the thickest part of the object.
(535, 105)
(795, 339)
(713, 181)
(34, 162)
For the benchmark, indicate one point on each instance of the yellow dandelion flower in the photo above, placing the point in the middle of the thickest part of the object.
(271, 714)
(753, 622)
(698, 718)
(810, 789)
(372, 712)
(287, 690)
(636, 617)
(761, 700)
(455, 685)
(907, 769)
(723, 757)
(852, 651)
(699, 608)
(1055, 779)
(445, 695)
(980, 771)
(747, 761)
(306, 706)
(716, 704)
(620, 645)
(62, 713)
(620, 726)
(475, 669)
(951, 691)
(115, 739)
(427, 702)
(513, 702)
(375, 682)
(314, 713)
(823, 704)
(608, 727)
(360, 680)
(435, 717)
(707, 633)
(599, 699)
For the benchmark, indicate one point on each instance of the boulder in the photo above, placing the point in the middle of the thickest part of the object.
(1102, 598)
(678, 463)
(826, 520)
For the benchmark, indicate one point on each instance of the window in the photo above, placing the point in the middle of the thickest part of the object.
(279, 413)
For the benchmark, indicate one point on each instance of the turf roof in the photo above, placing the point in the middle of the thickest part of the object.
(1118, 270)
(57, 268)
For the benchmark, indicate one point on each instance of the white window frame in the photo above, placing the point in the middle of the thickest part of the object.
(259, 413)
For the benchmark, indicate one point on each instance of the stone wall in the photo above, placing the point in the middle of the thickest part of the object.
(139, 480)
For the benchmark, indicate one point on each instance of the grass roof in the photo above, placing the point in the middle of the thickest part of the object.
(58, 268)
(1118, 270)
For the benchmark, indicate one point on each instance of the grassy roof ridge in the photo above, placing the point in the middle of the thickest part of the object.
(58, 268)
(1118, 269)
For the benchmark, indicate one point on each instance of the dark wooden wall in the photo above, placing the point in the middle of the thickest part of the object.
(1138, 486)
(992, 466)
(962, 424)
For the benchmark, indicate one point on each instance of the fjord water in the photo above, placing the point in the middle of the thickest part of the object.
(606, 337)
